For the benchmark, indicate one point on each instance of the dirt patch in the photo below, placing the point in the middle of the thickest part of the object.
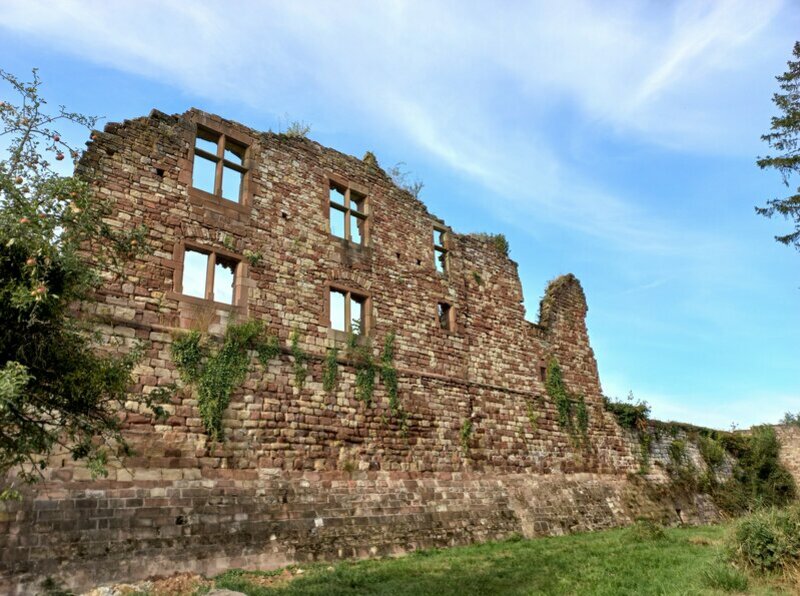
(269, 580)
(182, 584)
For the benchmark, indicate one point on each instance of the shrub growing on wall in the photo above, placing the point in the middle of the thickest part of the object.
(759, 479)
(633, 416)
(630, 414)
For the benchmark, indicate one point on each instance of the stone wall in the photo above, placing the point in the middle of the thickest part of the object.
(303, 474)
(88, 533)
(789, 436)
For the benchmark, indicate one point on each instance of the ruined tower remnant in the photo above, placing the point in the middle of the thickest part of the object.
(323, 249)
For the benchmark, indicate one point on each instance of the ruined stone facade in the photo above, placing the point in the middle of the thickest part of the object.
(304, 474)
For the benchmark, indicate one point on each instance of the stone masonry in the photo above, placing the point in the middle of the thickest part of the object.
(302, 474)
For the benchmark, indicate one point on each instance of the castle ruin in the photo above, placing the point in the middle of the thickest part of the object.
(321, 246)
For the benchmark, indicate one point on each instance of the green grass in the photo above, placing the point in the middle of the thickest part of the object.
(623, 561)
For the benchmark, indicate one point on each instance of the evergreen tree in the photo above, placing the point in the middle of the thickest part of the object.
(785, 138)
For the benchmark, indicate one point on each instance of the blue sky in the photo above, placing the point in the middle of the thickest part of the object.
(614, 140)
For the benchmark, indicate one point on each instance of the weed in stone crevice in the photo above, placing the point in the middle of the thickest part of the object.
(253, 257)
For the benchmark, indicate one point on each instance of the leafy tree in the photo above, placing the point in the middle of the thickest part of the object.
(57, 390)
(785, 138)
(790, 419)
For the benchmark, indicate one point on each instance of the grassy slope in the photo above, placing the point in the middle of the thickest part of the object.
(612, 562)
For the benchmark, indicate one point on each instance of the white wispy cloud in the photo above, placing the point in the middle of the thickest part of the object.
(496, 96)
(435, 73)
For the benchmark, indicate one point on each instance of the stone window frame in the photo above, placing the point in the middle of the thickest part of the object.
(366, 214)
(451, 317)
(366, 312)
(441, 249)
(225, 131)
(240, 293)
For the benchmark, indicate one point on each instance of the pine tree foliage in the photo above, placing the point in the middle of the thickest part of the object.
(784, 138)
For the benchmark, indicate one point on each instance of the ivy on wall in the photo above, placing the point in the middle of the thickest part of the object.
(388, 374)
(330, 370)
(680, 467)
(300, 370)
(465, 434)
(216, 368)
(573, 415)
(360, 354)
(758, 478)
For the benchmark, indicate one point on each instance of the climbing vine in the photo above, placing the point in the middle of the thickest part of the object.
(465, 434)
(389, 373)
(389, 379)
(300, 370)
(680, 467)
(573, 415)
(554, 385)
(216, 371)
(361, 356)
(366, 368)
(330, 370)
(712, 452)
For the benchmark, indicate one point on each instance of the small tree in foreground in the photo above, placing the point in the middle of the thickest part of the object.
(56, 389)
(785, 138)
